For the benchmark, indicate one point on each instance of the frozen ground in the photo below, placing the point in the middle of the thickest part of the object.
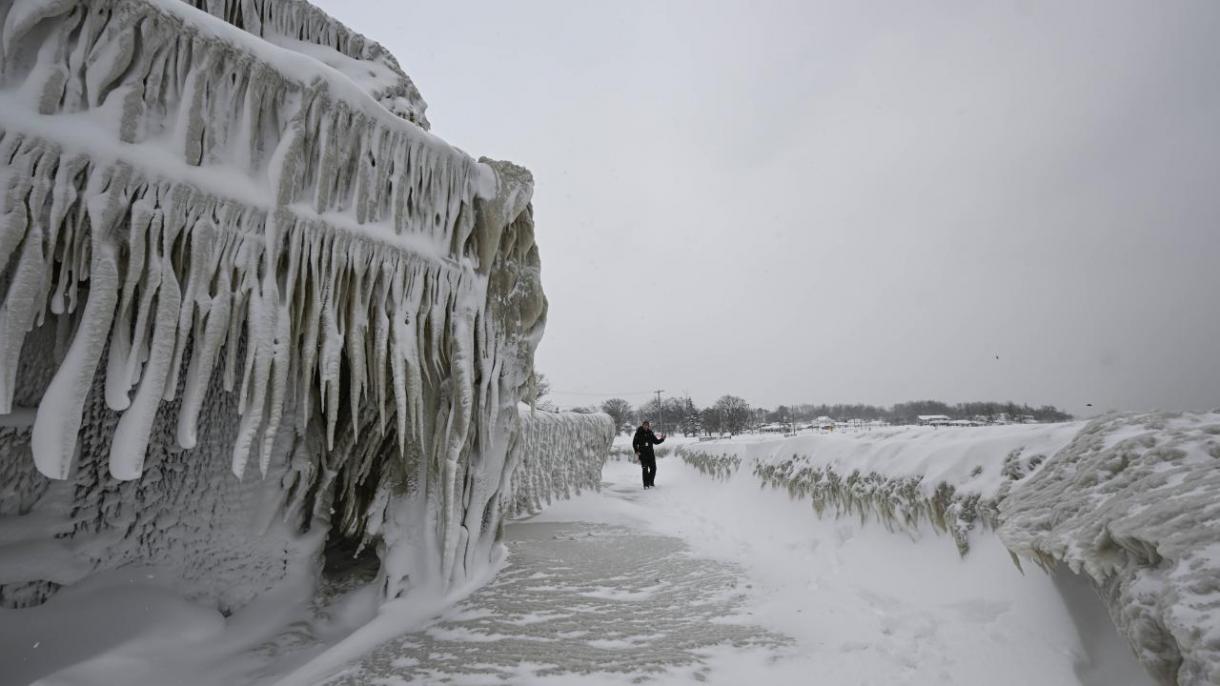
(701, 580)
(717, 581)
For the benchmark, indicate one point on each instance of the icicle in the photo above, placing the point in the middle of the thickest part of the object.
(206, 351)
(118, 373)
(329, 362)
(18, 311)
(281, 351)
(130, 442)
(58, 420)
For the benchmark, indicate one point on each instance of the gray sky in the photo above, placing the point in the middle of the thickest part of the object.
(851, 202)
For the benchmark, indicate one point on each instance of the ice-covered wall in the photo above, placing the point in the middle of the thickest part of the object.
(247, 302)
(558, 455)
(1130, 501)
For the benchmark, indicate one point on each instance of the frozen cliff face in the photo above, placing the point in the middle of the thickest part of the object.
(1134, 503)
(246, 304)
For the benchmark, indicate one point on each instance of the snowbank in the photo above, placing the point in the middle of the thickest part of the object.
(902, 477)
(1132, 502)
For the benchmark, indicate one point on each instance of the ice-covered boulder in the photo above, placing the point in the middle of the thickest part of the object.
(247, 302)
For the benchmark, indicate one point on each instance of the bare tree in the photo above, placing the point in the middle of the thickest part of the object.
(619, 410)
(734, 413)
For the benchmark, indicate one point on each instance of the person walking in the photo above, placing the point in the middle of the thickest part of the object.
(643, 442)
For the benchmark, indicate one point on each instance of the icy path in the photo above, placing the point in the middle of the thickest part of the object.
(704, 581)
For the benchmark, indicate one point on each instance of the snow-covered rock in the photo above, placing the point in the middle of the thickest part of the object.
(247, 302)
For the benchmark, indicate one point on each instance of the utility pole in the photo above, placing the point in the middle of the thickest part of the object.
(660, 409)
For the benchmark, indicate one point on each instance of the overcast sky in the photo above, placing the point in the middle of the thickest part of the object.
(851, 202)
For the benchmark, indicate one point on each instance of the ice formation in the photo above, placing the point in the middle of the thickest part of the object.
(903, 478)
(248, 301)
(558, 456)
(1132, 502)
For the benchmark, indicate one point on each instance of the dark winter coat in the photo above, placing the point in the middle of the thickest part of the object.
(643, 442)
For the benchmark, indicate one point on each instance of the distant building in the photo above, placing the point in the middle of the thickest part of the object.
(934, 420)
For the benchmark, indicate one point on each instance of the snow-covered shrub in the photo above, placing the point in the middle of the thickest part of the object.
(716, 465)
(558, 455)
(894, 502)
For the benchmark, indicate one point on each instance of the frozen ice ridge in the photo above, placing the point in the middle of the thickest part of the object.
(1130, 502)
(249, 302)
(1133, 503)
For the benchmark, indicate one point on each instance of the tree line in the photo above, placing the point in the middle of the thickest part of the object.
(732, 414)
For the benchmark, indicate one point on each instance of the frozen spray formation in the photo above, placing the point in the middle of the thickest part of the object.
(560, 454)
(248, 301)
(1132, 502)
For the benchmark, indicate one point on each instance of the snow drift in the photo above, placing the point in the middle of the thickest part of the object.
(248, 303)
(1131, 502)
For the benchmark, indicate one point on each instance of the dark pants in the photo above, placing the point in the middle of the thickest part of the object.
(649, 464)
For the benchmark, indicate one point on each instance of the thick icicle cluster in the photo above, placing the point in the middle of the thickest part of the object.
(1134, 503)
(558, 456)
(218, 250)
(247, 206)
(298, 25)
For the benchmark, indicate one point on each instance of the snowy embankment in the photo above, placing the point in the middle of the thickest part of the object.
(902, 477)
(1130, 502)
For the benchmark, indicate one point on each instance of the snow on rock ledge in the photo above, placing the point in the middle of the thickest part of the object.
(245, 304)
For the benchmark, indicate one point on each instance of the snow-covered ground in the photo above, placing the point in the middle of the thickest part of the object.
(793, 599)
(701, 580)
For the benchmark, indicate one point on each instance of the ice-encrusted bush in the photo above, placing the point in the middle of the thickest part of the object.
(897, 503)
(558, 455)
(716, 465)
(625, 453)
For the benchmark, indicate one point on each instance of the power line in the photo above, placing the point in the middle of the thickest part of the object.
(555, 392)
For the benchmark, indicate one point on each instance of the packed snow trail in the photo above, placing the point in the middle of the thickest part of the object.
(716, 581)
